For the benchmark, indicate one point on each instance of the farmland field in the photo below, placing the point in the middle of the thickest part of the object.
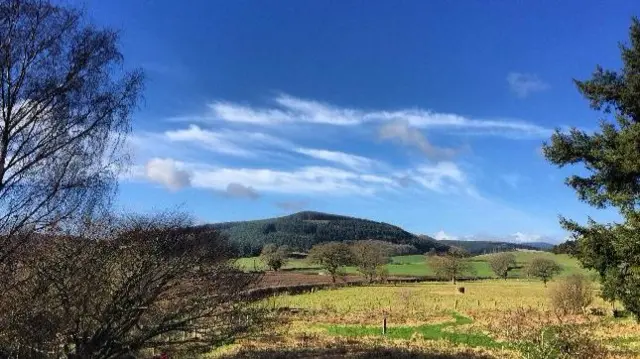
(416, 265)
(424, 319)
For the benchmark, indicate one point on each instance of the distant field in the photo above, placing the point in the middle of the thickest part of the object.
(416, 265)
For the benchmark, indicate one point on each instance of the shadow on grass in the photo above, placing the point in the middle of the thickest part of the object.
(351, 352)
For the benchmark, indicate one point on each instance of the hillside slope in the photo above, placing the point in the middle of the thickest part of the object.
(304, 229)
(483, 247)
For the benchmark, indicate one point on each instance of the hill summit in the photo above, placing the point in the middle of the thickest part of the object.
(304, 229)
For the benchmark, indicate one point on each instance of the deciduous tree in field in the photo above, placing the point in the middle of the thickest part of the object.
(331, 256)
(275, 257)
(452, 265)
(611, 158)
(369, 257)
(543, 268)
(74, 282)
(502, 263)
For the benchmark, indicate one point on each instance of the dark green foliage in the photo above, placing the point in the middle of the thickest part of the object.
(569, 247)
(302, 230)
(611, 158)
(543, 268)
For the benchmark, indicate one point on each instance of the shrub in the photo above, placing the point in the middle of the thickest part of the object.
(572, 294)
(537, 335)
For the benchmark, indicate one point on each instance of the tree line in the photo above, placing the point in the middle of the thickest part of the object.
(370, 258)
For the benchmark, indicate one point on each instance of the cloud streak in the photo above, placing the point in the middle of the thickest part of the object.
(523, 85)
(444, 177)
(287, 109)
(400, 131)
(342, 158)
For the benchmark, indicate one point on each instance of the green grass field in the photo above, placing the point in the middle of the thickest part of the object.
(416, 265)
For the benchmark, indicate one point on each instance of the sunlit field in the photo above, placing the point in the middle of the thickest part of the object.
(416, 265)
(429, 320)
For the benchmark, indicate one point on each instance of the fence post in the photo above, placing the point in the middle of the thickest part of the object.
(384, 324)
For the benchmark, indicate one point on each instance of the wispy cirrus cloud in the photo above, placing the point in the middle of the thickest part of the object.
(342, 158)
(231, 142)
(523, 84)
(444, 177)
(289, 109)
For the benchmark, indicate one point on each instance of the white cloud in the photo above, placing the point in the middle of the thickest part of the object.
(400, 131)
(240, 191)
(226, 141)
(326, 180)
(441, 236)
(520, 237)
(168, 173)
(523, 84)
(443, 177)
(345, 159)
(289, 109)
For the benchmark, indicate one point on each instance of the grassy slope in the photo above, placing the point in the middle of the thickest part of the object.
(416, 265)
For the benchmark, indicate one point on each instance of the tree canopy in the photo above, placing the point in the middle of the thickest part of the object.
(611, 159)
(502, 263)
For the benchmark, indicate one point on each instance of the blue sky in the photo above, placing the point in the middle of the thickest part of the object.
(425, 114)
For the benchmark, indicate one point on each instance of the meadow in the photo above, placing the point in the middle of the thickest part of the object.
(417, 266)
(428, 319)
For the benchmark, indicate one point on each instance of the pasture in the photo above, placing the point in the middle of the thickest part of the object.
(428, 319)
(417, 266)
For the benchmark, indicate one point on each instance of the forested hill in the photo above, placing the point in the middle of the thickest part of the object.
(483, 247)
(304, 229)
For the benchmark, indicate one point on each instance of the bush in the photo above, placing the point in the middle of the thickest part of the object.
(537, 335)
(572, 294)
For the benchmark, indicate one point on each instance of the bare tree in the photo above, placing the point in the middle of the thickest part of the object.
(370, 257)
(502, 263)
(141, 283)
(275, 257)
(65, 105)
(331, 256)
(452, 265)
